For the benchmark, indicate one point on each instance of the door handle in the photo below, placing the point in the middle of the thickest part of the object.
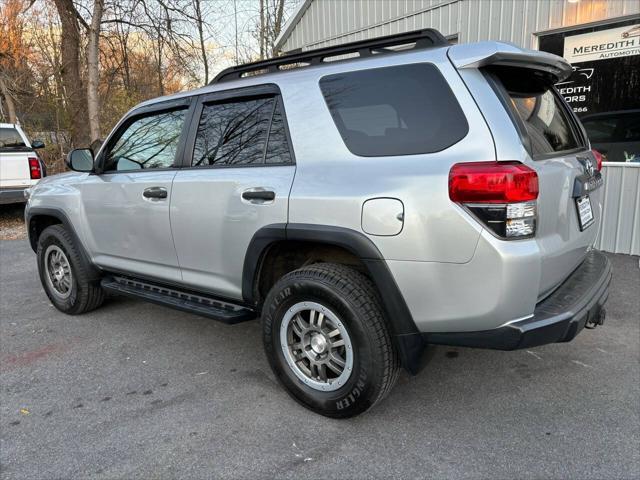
(155, 192)
(264, 195)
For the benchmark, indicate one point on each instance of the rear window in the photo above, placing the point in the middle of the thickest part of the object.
(546, 121)
(10, 138)
(539, 109)
(403, 110)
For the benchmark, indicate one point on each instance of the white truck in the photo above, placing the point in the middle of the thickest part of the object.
(20, 166)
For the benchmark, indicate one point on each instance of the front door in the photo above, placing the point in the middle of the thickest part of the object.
(127, 206)
(238, 174)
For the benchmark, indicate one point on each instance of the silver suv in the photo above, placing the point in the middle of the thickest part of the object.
(365, 200)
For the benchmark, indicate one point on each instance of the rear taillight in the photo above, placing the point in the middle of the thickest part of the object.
(35, 170)
(502, 195)
(598, 157)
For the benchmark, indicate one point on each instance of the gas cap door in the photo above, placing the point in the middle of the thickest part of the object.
(382, 216)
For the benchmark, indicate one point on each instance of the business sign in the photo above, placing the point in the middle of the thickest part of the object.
(603, 44)
(605, 78)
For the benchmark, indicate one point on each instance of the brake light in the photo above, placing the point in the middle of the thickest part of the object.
(598, 156)
(492, 182)
(35, 170)
(502, 195)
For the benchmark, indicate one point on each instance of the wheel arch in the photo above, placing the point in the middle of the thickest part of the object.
(407, 338)
(39, 218)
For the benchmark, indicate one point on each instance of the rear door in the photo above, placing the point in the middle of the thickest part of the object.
(569, 202)
(14, 163)
(236, 178)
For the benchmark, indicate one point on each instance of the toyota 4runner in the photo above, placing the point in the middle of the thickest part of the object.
(365, 200)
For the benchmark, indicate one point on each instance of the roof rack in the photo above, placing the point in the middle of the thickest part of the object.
(426, 38)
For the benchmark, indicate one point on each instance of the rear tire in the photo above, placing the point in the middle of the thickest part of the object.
(65, 274)
(340, 360)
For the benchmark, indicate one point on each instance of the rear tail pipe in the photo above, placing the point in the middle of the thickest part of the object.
(598, 319)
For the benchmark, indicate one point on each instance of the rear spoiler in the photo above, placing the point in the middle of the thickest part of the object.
(483, 54)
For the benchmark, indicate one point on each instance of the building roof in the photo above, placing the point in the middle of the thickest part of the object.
(291, 23)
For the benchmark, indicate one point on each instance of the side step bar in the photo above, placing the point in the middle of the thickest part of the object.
(178, 299)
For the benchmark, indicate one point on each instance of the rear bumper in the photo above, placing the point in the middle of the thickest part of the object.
(558, 318)
(12, 195)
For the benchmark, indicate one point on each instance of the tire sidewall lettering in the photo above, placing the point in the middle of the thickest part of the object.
(355, 392)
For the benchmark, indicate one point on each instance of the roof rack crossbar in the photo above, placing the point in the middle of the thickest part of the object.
(426, 38)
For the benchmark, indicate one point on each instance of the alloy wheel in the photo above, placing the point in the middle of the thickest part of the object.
(316, 346)
(58, 271)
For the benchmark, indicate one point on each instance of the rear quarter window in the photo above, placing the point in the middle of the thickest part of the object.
(402, 110)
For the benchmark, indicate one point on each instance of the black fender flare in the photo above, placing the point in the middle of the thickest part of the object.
(407, 338)
(62, 217)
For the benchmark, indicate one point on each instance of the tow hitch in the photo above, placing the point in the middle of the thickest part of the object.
(598, 319)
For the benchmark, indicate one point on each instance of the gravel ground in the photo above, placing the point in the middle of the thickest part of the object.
(135, 390)
(12, 222)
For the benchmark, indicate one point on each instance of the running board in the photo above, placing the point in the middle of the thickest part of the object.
(228, 313)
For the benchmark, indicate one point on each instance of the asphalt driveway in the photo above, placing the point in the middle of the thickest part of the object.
(135, 390)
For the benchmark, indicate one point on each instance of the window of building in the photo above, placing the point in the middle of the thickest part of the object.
(616, 135)
(402, 110)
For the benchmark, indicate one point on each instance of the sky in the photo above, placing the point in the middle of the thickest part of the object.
(220, 14)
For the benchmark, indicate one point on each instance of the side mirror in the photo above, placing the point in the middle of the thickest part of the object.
(36, 144)
(80, 160)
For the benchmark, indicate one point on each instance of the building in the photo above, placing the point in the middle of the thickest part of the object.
(601, 38)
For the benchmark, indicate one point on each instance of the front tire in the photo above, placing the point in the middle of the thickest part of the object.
(327, 341)
(65, 274)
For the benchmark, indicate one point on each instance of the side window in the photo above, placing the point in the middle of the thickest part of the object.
(246, 132)
(278, 146)
(402, 110)
(149, 142)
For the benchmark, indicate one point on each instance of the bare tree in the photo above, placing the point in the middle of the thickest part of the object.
(13, 50)
(271, 18)
(203, 49)
(75, 94)
(93, 70)
(262, 31)
(8, 100)
(277, 24)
